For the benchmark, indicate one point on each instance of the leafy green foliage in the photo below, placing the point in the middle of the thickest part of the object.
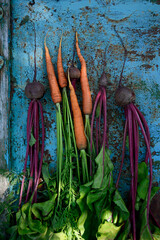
(100, 178)
(156, 232)
(8, 205)
(102, 208)
(97, 110)
(141, 202)
(45, 219)
(32, 140)
(107, 230)
(44, 210)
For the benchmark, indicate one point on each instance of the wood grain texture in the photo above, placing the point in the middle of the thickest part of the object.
(4, 84)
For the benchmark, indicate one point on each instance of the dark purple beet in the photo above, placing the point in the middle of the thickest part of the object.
(34, 90)
(124, 96)
(74, 73)
(103, 80)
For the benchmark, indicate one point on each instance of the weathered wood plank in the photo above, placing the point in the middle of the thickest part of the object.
(4, 83)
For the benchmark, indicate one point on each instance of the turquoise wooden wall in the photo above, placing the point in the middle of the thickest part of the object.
(138, 23)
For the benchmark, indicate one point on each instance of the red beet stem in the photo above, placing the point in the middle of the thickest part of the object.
(97, 139)
(31, 174)
(146, 129)
(36, 145)
(92, 122)
(29, 128)
(123, 151)
(105, 117)
(100, 112)
(42, 146)
(150, 158)
(136, 150)
(30, 185)
(105, 125)
(130, 132)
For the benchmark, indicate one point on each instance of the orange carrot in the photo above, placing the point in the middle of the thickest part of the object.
(86, 94)
(61, 75)
(81, 140)
(54, 88)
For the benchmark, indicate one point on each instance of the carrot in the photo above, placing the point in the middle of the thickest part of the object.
(86, 94)
(81, 140)
(61, 75)
(54, 88)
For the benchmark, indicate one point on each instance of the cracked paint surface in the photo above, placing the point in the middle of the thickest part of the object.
(138, 23)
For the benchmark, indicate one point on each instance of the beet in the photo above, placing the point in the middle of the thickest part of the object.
(74, 73)
(124, 96)
(34, 90)
(134, 120)
(103, 80)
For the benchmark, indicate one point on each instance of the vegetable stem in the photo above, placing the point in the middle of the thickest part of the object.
(150, 158)
(123, 151)
(88, 136)
(59, 149)
(84, 166)
(29, 127)
(68, 112)
(130, 131)
(92, 122)
(36, 135)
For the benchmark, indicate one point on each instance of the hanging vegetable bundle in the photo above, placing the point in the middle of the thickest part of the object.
(100, 107)
(102, 208)
(68, 124)
(66, 211)
(33, 91)
(82, 201)
(32, 216)
(141, 187)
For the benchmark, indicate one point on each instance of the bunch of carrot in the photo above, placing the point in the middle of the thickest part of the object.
(79, 129)
(71, 135)
(98, 180)
(84, 203)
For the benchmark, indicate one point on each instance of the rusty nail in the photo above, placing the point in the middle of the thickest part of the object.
(1, 13)
(1, 62)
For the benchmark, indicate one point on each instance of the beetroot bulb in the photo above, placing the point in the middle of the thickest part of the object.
(34, 91)
(74, 74)
(135, 120)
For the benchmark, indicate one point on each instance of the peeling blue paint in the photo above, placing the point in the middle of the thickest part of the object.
(138, 22)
